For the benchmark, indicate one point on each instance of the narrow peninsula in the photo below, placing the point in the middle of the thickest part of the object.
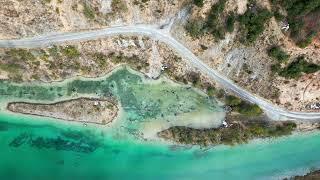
(86, 110)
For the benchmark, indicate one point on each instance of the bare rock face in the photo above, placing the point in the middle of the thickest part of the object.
(80, 110)
(25, 18)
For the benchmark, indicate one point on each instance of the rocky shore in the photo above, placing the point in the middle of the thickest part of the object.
(84, 110)
(314, 175)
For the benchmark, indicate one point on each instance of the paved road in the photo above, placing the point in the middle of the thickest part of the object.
(42, 41)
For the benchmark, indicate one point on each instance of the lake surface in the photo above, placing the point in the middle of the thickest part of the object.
(43, 148)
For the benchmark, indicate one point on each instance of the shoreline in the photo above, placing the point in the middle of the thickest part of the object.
(236, 130)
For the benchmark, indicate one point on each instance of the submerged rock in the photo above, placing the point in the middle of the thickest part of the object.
(20, 140)
(66, 141)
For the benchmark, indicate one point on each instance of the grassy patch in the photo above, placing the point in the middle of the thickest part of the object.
(88, 11)
(17, 55)
(54, 51)
(12, 68)
(14, 71)
(134, 61)
(70, 51)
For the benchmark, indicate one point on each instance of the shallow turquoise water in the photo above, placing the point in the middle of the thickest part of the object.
(43, 148)
(112, 157)
(141, 100)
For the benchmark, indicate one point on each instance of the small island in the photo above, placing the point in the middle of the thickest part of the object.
(237, 129)
(86, 110)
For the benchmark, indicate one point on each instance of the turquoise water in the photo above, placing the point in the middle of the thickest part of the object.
(96, 154)
(144, 103)
(44, 148)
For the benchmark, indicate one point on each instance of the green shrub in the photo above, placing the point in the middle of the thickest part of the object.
(299, 7)
(20, 55)
(134, 61)
(218, 32)
(278, 15)
(275, 68)
(194, 28)
(296, 68)
(238, 133)
(258, 131)
(198, 3)
(211, 91)
(54, 51)
(252, 23)
(305, 42)
(243, 107)
(11, 68)
(194, 78)
(100, 58)
(230, 22)
(70, 51)
(232, 136)
(249, 109)
(213, 24)
(281, 130)
(232, 100)
(220, 93)
(277, 53)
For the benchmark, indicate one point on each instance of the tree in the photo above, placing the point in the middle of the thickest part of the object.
(198, 3)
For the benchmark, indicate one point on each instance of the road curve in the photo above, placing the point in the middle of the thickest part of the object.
(273, 111)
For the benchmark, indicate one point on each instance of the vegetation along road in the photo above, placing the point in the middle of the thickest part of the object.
(163, 35)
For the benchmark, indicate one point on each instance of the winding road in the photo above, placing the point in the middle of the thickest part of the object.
(163, 35)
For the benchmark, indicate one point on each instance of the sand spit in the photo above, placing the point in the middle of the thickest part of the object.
(86, 110)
